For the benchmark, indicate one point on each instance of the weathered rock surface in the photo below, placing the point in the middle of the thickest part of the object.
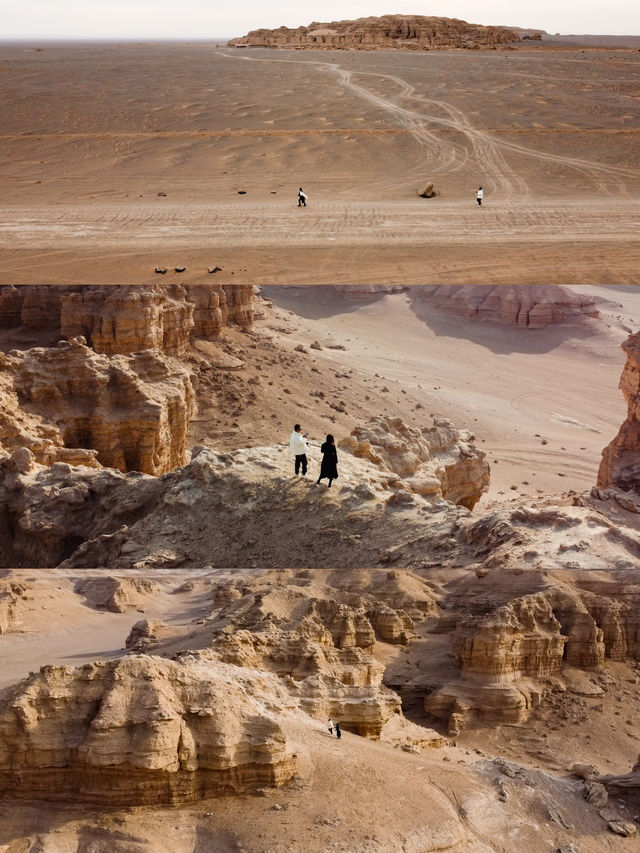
(620, 465)
(70, 404)
(116, 594)
(142, 731)
(388, 31)
(507, 658)
(128, 318)
(241, 509)
(625, 783)
(439, 461)
(524, 305)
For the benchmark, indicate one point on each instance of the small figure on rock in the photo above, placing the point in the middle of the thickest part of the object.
(338, 732)
(329, 466)
(302, 198)
(330, 726)
(479, 196)
(298, 447)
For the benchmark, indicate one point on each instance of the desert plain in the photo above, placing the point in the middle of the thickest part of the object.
(118, 158)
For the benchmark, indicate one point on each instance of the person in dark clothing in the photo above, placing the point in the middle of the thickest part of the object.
(338, 732)
(329, 467)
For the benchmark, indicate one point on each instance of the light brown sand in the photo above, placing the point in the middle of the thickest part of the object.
(93, 133)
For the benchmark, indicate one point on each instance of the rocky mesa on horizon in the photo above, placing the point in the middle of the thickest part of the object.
(413, 32)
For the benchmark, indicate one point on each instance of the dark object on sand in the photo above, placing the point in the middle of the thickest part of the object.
(164, 195)
(214, 269)
(160, 270)
(242, 192)
(180, 269)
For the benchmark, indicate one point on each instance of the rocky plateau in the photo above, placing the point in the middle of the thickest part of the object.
(412, 32)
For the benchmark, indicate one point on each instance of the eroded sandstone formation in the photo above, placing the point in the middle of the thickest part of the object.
(415, 32)
(141, 731)
(70, 404)
(115, 593)
(509, 657)
(122, 319)
(239, 509)
(324, 648)
(439, 461)
(620, 465)
(529, 306)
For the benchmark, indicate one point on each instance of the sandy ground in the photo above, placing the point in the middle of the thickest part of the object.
(198, 163)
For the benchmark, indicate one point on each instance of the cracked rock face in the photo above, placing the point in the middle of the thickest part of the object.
(71, 404)
(509, 658)
(439, 461)
(128, 318)
(524, 305)
(142, 731)
(387, 31)
(620, 465)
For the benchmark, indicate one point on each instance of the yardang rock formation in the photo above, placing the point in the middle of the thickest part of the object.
(415, 32)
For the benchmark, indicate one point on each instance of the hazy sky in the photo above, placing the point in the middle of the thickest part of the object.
(205, 19)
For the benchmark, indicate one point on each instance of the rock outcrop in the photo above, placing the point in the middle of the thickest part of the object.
(509, 658)
(322, 646)
(620, 465)
(529, 306)
(415, 32)
(367, 292)
(124, 319)
(143, 731)
(116, 594)
(439, 461)
(240, 509)
(70, 404)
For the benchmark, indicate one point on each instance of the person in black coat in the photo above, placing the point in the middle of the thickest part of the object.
(329, 467)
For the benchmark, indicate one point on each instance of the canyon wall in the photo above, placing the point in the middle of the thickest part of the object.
(509, 657)
(415, 32)
(142, 731)
(71, 404)
(122, 319)
(620, 465)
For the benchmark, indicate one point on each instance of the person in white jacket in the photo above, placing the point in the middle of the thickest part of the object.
(298, 447)
(479, 196)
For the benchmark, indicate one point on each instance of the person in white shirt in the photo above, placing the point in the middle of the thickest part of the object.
(479, 196)
(298, 447)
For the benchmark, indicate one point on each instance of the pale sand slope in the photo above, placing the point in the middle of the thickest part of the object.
(515, 388)
(551, 135)
(59, 627)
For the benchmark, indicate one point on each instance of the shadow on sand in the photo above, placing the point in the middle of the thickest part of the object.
(314, 302)
(502, 339)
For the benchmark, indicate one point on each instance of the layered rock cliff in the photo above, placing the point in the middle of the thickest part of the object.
(620, 465)
(415, 32)
(509, 658)
(142, 731)
(524, 305)
(124, 319)
(438, 461)
(70, 404)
